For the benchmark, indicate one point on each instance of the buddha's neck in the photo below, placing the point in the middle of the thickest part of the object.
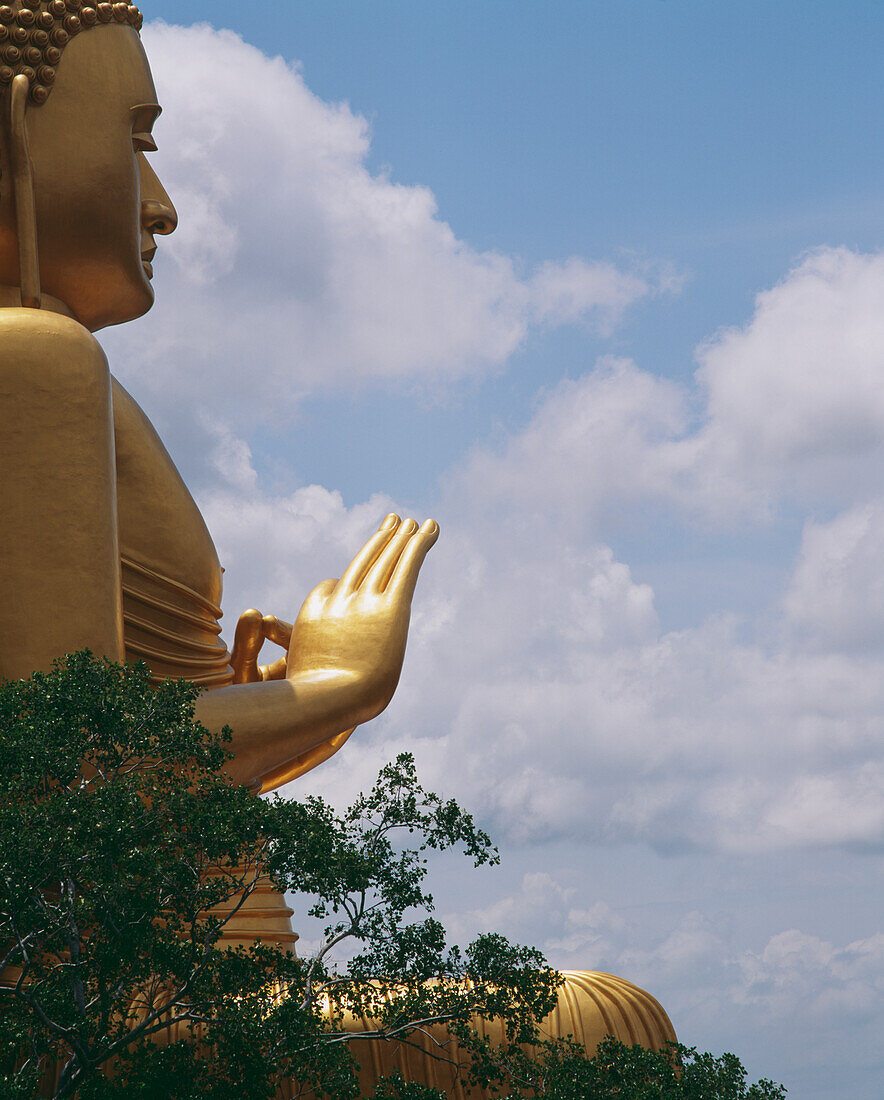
(10, 298)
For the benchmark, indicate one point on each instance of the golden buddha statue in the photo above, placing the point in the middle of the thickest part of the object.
(101, 544)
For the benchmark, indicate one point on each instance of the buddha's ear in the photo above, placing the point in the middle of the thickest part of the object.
(23, 194)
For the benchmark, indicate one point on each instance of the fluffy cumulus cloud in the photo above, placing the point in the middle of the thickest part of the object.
(310, 270)
(816, 1001)
(544, 671)
(543, 684)
(610, 439)
(788, 407)
(787, 972)
(836, 597)
(277, 547)
(799, 1001)
(794, 399)
(538, 659)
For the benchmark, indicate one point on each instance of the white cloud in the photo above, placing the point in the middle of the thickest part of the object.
(540, 686)
(564, 293)
(538, 660)
(609, 439)
(787, 1002)
(788, 407)
(799, 970)
(544, 673)
(798, 1003)
(537, 657)
(277, 548)
(794, 398)
(295, 268)
(836, 598)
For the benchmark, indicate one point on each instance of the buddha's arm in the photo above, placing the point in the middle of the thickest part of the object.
(343, 663)
(59, 582)
(275, 722)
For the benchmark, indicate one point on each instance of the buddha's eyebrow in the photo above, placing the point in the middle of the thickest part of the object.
(144, 115)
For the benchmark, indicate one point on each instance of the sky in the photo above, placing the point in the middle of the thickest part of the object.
(599, 286)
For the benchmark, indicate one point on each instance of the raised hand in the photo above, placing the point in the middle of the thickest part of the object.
(356, 627)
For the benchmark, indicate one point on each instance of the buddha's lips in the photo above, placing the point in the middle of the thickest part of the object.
(147, 255)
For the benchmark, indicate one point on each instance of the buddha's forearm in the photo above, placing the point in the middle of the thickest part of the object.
(275, 721)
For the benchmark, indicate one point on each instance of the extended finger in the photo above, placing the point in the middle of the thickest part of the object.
(360, 565)
(377, 577)
(278, 631)
(404, 576)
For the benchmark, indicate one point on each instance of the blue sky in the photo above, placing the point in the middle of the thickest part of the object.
(599, 286)
(723, 139)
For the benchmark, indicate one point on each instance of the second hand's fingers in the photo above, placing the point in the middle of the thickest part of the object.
(377, 577)
(366, 557)
(404, 576)
(276, 671)
(247, 642)
(278, 631)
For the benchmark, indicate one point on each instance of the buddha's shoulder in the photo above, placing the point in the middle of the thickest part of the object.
(144, 466)
(40, 340)
(133, 424)
(146, 473)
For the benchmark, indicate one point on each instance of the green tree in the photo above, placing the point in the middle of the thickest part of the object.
(560, 1070)
(121, 836)
(121, 839)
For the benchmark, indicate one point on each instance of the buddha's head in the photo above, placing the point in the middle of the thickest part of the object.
(77, 104)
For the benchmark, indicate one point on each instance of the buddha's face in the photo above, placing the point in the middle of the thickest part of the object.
(99, 203)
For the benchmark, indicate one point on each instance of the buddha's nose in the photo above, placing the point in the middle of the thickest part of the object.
(159, 217)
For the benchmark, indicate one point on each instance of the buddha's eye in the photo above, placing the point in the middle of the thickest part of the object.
(144, 143)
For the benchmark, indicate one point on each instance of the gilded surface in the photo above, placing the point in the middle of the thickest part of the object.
(102, 545)
(591, 1005)
(171, 576)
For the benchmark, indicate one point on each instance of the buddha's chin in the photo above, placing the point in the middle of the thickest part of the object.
(126, 303)
(100, 290)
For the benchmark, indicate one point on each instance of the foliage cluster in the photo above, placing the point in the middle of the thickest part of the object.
(125, 852)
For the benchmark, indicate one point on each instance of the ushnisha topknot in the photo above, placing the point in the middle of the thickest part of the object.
(34, 33)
